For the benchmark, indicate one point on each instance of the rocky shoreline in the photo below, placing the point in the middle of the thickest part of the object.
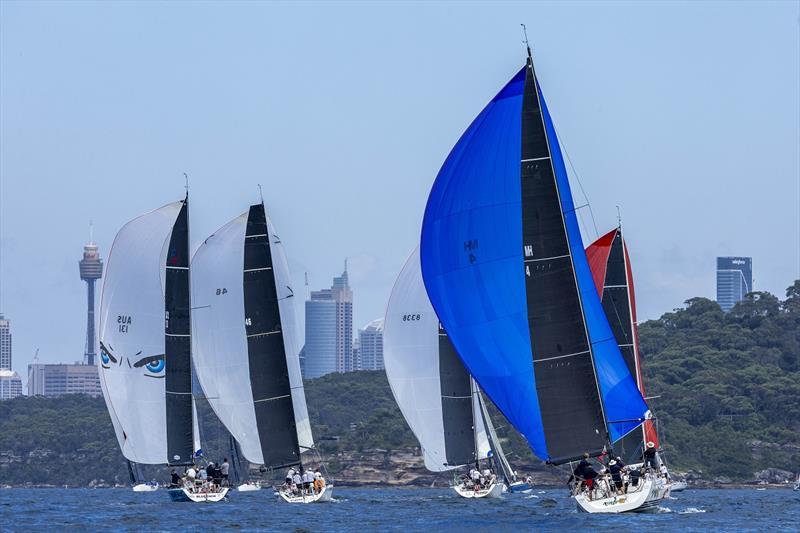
(381, 468)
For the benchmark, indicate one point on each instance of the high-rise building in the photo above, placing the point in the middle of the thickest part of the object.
(329, 329)
(10, 384)
(734, 280)
(356, 356)
(5, 343)
(370, 343)
(91, 269)
(59, 379)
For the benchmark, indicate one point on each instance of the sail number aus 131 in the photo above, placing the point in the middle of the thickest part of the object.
(123, 322)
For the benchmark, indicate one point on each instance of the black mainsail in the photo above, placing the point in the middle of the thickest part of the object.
(269, 373)
(178, 346)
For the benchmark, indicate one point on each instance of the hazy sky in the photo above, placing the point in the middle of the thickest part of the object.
(686, 115)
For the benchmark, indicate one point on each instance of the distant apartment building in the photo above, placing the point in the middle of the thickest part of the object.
(356, 355)
(10, 384)
(60, 379)
(734, 280)
(329, 329)
(5, 343)
(370, 344)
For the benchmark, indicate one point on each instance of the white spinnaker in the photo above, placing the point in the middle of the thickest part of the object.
(286, 300)
(411, 359)
(132, 330)
(219, 339)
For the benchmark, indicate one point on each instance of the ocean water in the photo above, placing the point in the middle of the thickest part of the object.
(388, 509)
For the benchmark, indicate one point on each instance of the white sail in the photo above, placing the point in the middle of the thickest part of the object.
(411, 359)
(131, 362)
(484, 448)
(219, 342)
(286, 301)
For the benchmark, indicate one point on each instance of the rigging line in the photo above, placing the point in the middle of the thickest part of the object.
(578, 178)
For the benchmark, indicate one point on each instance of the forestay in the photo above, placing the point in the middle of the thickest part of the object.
(428, 380)
(245, 340)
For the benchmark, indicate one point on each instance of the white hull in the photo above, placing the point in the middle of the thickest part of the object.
(677, 486)
(145, 487)
(324, 495)
(494, 490)
(644, 498)
(519, 487)
(200, 495)
(249, 487)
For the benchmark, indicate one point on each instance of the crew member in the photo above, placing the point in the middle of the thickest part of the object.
(650, 455)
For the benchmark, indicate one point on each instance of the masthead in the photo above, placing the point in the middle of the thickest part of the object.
(525, 40)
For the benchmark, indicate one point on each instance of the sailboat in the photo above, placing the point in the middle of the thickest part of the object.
(504, 266)
(438, 398)
(246, 349)
(610, 264)
(145, 362)
(136, 477)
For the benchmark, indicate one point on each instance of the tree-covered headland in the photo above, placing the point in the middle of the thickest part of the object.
(727, 390)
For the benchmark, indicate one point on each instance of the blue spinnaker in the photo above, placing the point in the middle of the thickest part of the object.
(473, 268)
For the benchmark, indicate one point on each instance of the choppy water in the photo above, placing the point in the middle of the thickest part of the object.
(367, 510)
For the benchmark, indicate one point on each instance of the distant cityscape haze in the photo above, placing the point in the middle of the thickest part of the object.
(686, 115)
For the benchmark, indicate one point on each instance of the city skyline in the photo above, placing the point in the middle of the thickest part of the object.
(664, 129)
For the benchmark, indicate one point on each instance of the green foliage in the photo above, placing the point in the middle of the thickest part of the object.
(727, 381)
(724, 381)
